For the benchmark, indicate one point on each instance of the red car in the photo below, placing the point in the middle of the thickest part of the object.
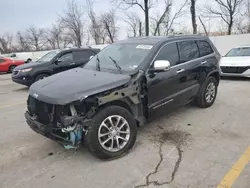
(8, 65)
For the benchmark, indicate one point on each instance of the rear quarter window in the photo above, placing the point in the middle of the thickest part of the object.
(2, 60)
(83, 55)
(204, 48)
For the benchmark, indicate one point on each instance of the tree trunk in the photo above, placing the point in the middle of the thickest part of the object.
(193, 15)
(146, 11)
(140, 33)
(203, 25)
(230, 25)
(109, 33)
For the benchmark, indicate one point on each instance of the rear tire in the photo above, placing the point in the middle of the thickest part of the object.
(28, 60)
(40, 77)
(207, 93)
(11, 68)
(121, 137)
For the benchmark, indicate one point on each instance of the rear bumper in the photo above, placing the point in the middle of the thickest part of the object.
(45, 130)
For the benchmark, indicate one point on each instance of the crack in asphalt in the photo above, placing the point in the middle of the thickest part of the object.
(176, 167)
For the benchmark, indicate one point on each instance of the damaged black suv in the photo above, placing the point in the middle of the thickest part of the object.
(103, 103)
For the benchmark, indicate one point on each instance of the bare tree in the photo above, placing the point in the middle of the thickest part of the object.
(226, 10)
(193, 15)
(134, 23)
(22, 42)
(95, 29)
(35, 37)
(54, 36)
(163, 18)
(163, 24)
(66, 40)
(243, 21)
(109, 23)
(203, 25)
(144, 5)
(6, 43)
(72, 20)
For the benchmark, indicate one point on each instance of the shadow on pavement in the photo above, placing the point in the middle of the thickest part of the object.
(22, 89)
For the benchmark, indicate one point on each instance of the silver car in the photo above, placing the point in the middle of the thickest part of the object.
(236, 62)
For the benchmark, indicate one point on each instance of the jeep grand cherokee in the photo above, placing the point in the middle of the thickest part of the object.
(103, 103)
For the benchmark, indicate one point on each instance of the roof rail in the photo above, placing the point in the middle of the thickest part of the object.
(184, 35)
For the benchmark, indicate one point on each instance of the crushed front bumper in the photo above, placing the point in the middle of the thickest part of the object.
(46, 131)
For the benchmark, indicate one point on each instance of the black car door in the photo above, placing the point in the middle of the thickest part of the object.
(64, 62)
(188, 71)
(208, 58)
(162, 86)
(81, 57)
(179, 84)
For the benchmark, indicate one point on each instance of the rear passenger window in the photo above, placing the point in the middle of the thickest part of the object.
(169, 53)
(188, 51)
(1, 60)
(83, 55)
(205, 48)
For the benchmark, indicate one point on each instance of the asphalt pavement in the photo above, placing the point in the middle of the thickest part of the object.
(187, 148)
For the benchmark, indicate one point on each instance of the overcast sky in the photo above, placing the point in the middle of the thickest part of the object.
(17, 15)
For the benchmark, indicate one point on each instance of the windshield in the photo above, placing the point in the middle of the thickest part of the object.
(126, 56)
(244, 51)
(48, 57)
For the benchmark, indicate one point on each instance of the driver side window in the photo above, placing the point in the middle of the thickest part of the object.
(169, 53)
(66, 57)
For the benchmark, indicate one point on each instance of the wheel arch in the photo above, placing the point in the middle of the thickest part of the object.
(42, 72)
(12, 65)
(121, 103)
(134, 109)
(216, 75)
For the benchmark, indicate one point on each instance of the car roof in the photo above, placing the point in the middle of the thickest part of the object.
(79, 49)
(159, 39)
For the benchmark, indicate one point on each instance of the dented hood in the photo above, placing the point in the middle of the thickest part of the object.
(74, 85)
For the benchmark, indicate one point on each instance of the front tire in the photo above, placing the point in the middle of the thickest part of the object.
(11, 68)
(40, 77)
(28, 60)
(207, 93)
(112, 134)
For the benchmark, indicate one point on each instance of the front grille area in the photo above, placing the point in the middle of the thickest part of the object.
(40, 109)
(235, 70)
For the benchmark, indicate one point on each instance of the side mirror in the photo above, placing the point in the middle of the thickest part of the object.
(91, 57)
(161, 65)
(57, 61)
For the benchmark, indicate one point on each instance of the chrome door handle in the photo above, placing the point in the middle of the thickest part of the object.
(180, 70)
(203, 62)
(72, 63)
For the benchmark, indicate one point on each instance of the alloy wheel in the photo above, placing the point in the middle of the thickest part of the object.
(114, 133)
(210, 92)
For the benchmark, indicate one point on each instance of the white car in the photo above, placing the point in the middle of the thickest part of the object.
(236, 62)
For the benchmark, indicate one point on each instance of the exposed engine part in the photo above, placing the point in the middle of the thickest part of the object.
(74, 129)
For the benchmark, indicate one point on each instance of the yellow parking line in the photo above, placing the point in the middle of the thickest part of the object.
(235, 171)
(9, 105)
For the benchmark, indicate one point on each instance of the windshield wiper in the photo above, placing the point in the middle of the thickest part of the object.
(116, 64)
(98, 63)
